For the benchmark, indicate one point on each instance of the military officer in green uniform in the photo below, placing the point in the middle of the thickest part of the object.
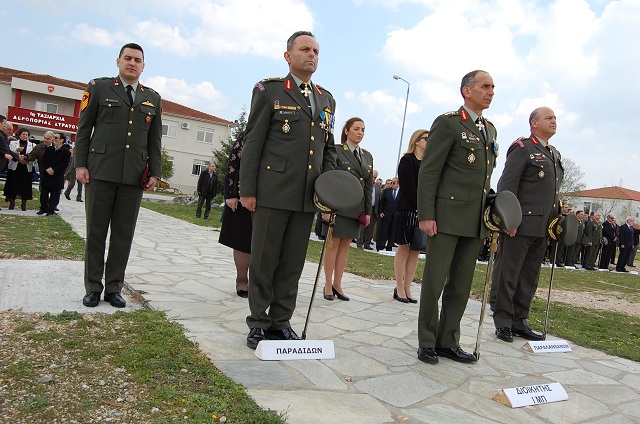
(119, 135)
(533, 172)
(289, 143)
(454, 178)
(592, 236)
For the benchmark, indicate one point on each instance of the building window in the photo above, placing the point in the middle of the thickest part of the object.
(47, 107)
(169, 128)
(199, 166)
(587, 208)
(204, 135)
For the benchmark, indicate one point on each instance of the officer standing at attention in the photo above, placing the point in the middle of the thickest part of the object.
(533, 172)
(289, 143)
(119, 135)
(454, 178)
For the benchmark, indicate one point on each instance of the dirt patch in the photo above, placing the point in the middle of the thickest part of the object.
(612, 301)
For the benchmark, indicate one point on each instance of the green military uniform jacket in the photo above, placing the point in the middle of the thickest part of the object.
(593, 233)
(455, 174)
(117, 140)
(534, 175)
(286, 148)
(363, 172)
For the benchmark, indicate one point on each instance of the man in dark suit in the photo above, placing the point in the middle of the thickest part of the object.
(608, 250)
(119, 135)
(533, 172)
(289, 143)
(207, 189)
(54, 164)
(387, 214)
(625, 241)
(592, 236)
(454, 178)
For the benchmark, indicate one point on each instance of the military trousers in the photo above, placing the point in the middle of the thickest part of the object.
(278, 251)
(521, 257)
(448, 271)
(115, 207)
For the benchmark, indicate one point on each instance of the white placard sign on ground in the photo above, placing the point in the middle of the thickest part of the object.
(547, 346)
(284, 350)
(517, 397)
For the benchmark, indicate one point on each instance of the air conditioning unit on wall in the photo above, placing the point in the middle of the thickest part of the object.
(186, 125)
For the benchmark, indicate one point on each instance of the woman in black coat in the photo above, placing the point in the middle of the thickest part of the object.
(406, 260)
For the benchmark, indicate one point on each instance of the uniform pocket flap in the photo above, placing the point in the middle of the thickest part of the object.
(273, 163)
(111, 102)
(532, 210)
(288, 115)
(147, 110)
(453, 193)
(98, 147)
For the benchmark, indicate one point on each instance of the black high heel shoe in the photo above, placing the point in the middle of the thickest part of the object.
(399, 299)
(412, 300)
(327, 296)
(338, 295)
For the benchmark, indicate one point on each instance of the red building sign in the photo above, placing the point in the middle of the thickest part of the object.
(38, 118)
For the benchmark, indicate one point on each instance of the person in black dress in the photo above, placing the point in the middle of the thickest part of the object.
(20, 174)
(406, 260)
(236, 220)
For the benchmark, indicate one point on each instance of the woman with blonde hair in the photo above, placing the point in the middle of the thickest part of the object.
(359, 162)
(406, 260)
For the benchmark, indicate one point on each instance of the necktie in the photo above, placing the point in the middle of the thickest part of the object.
(304, 89)
(356, 153)
(129, 90)
(395, 194)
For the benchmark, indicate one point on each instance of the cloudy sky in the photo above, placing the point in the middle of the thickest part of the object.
(579, 57)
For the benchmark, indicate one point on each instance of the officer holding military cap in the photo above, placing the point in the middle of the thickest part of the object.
(533, 172)
(289, 143)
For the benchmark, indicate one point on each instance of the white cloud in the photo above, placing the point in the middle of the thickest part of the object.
(389, 109)
(201, 96)
(83, 33)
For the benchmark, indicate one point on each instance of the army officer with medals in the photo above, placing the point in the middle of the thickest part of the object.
(289, 143)
(453, 182)
(359, 162)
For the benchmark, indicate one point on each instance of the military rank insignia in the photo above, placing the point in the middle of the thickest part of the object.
(85, 100)
(541, 174)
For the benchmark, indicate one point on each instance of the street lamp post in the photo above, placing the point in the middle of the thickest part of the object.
(403, 119)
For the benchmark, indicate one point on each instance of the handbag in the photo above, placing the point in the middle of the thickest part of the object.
(362, 219)
(144, 177)
(419, 240)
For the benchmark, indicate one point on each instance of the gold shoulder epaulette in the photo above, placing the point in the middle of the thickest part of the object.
(452, 113)
(272, 79)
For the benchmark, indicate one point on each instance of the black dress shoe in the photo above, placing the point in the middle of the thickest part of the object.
(398, 298)
(284, 334)
(338, 295)
(91, 299)
(67, 196)
(456, 354)
(428, 355)
(50, 214)
(504, 334)
(528, 334)
(115, 300)
(41, 212)
(78, 200)
(256, 335)
(243, 293)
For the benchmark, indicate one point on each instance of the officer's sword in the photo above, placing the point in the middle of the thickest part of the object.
(493, 248)
(546, 315)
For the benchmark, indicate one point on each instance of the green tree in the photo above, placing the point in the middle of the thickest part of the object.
(221, 155)
(167, 165)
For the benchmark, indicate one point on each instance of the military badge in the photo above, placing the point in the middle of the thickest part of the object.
(276, 104)
(148, 119)
(541, 174)
(463, 135)
(286, 127)
(85, 100)
(148, 103)
(116, 83)
(471, 158)
(496, 148)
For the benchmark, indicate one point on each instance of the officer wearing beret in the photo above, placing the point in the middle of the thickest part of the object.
(119, 134)
(533, 172)
(289, 143)
(453, 183)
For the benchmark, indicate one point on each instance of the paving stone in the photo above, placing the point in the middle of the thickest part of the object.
(632, 380)
(350, 324)
(439, 413)
(578, 376)
(259, 374)
(353, 364)
(318, 374)
(613, 419)
(400, 390)
(393, 357)
(579, 408)
(631, 409)
(609, 395)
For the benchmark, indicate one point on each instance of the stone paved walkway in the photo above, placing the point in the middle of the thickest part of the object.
(376, 378)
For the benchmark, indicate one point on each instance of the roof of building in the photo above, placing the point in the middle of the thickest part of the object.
(172, 108)
(613, 192)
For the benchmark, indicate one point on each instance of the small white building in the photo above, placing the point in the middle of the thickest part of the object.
(618, 201)
(43, 102)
